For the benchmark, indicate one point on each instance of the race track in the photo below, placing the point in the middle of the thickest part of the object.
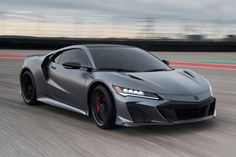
(44, 130)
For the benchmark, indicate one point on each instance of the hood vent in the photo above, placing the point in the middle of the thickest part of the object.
(135, 77)
(189, 73)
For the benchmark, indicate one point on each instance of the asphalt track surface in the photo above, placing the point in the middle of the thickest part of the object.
(44, 130)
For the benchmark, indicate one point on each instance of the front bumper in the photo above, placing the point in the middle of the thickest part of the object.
(150, 112)
(132, 124)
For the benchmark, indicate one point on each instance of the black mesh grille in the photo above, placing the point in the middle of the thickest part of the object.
(175, 111)
(183, 114)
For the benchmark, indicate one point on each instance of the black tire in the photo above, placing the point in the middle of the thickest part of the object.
(103, 108)
(28, 88)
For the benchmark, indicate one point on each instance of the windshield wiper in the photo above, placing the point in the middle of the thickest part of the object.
(113, 69)
(153, 70)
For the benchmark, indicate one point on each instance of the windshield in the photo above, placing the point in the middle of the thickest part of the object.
(126, 59)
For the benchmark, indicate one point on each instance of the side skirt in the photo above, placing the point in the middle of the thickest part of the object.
(61, 105)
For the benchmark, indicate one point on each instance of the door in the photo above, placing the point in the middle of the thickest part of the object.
(68, 85)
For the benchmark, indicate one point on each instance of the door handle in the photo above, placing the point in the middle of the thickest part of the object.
(52, 67)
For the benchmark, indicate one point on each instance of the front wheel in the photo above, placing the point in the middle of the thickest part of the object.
(28, 89)
(103, 108)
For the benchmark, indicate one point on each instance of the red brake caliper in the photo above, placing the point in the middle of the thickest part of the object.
(98, 108)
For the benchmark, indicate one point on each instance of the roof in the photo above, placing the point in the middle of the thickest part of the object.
(104, 45)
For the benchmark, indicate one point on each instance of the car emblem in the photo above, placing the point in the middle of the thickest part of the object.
(195, 98)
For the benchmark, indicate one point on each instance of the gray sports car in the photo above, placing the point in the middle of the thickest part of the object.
(117, 85)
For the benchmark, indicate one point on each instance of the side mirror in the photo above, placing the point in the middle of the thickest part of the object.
(166, 62)
(71, 65)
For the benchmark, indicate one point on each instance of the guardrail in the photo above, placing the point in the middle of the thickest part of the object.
(150, 45)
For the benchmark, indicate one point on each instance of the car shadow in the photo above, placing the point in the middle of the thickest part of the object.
(177, 129)
(60, 112)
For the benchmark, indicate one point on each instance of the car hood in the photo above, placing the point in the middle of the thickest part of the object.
(176, 82)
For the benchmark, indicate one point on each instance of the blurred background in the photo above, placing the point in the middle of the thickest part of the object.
(133, 19)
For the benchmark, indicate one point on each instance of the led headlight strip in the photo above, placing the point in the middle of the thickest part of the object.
(135, 93)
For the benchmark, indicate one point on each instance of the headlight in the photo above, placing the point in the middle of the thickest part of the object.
(135, 93)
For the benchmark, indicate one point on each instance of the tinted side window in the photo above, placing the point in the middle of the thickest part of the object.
(75, 55)
(56, 60)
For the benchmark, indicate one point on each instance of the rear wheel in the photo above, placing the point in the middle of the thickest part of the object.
(103, 108)
(28, 88)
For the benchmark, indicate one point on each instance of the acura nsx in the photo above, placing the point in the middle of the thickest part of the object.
(117, 85)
